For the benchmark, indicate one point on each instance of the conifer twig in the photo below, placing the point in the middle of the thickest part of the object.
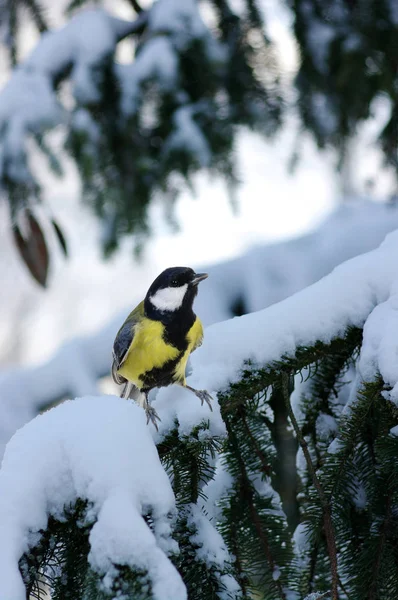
(327, 517)
(265, 467)
(380, 547)
(262, 536)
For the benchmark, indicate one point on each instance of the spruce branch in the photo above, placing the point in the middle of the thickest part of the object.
(343, 588)
(265, 466)
(373, 595)
(326, 508)
(248, 494)
(236, 550)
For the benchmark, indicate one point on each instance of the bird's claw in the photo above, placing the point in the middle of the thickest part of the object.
(204, 396)
(152, 415)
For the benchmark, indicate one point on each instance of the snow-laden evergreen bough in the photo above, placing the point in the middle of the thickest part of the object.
(290, 489)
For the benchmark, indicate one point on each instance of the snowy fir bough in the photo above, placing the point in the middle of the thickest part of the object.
(288, 490)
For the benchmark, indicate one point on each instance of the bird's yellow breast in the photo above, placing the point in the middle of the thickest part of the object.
(149, 351)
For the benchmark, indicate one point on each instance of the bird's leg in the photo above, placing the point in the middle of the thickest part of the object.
(141, 398)
(126, 390)
(151, 414)
(203, 396)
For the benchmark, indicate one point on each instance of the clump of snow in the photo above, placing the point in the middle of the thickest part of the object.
(276, 573)
(321, 312)
(231, 588)
(156, 61)
(176, 404)
(98, 449)
(380, 349)
(181, 19)
(335, 446)
(84, 42)
(27, 104)
(188, 137)
(218, 487)
(300, 538)
(326, 427)
(301, 545)
(211, 550)
(211, 547)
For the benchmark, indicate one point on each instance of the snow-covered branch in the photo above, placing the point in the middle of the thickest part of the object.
(259, 278)
(70, 453)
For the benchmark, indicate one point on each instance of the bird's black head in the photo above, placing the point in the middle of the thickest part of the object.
(172, 291)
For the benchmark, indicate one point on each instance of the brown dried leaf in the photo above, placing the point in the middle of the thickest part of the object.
(33, 248)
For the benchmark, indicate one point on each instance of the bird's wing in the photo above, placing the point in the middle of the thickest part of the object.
(123, 341)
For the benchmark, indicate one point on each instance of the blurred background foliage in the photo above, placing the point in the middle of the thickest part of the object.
(193, 75)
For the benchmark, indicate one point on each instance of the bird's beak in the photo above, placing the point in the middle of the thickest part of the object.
(198, 278)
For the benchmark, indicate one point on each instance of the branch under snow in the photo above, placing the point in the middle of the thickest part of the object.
(361, 291)
(75, 369)
(99, 450)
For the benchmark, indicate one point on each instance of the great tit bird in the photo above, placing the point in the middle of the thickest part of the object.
(152, 346)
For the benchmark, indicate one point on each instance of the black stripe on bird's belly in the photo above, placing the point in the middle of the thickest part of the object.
(160, 376)
(176, 330)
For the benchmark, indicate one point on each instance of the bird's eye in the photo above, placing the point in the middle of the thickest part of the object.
(174, 282)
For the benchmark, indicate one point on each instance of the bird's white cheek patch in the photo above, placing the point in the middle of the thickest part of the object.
(169, 298)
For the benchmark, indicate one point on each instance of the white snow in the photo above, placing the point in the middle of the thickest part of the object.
(156, 61)
(326, 426)
(212, 549)
(84, 42)
(218, 487)
(98, 449)
(181, 19)
(380, 349)
(187, 136)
